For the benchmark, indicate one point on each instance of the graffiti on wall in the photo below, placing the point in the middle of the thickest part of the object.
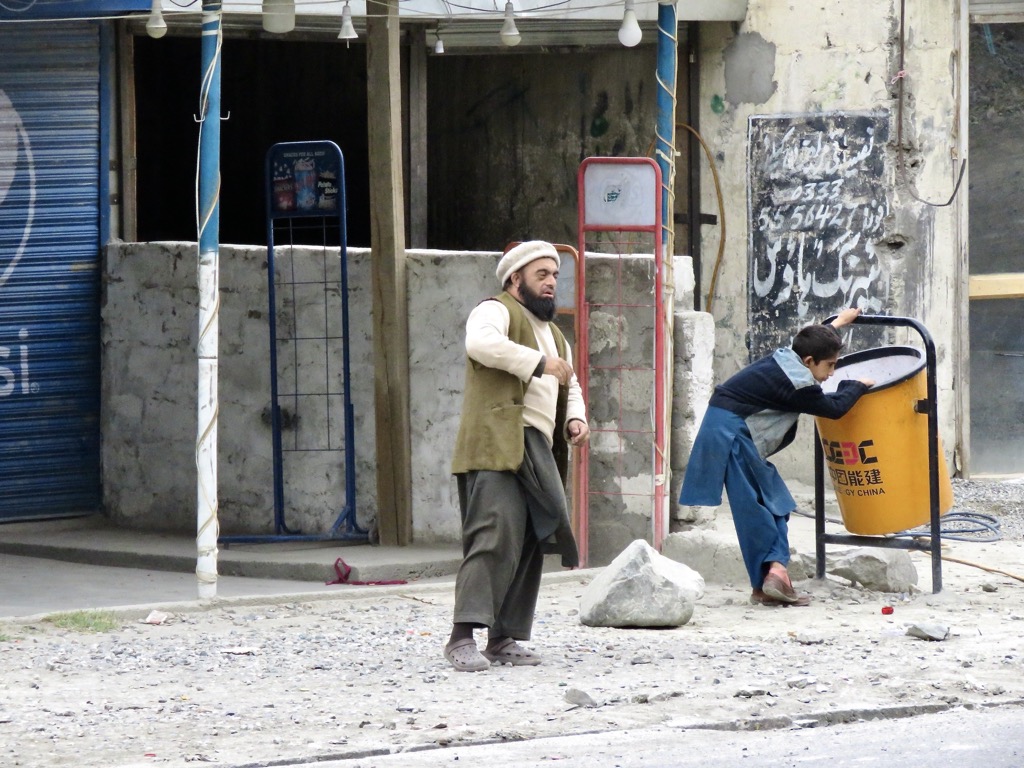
(817, 206)
(13, 144)
(17, 208)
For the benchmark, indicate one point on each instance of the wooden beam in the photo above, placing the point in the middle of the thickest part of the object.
(390, 314)
(128, 154)
(1007, 285)
(418, 138)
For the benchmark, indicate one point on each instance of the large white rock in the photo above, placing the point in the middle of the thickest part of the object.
(641, 588)
(883, 570)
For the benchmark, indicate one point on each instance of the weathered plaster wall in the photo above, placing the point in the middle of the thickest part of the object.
(149, 390)
(799, 58)
(149, 380)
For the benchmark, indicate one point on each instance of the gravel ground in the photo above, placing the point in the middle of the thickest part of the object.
(362, 674)
(1003, 500)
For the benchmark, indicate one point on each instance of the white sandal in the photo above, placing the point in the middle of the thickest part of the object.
(508, 651)
(464, 656)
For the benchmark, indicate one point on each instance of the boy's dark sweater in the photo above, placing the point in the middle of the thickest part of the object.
(764, 385)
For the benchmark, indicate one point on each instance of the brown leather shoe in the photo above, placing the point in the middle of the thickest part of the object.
(757, 597)
(779, 588)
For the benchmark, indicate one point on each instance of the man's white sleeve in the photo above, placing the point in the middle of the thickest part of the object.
(488, 343)
(575, 407)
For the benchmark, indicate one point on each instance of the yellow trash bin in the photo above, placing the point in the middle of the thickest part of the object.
(877, 454)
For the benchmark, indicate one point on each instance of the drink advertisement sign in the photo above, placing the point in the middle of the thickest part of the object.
(304, 179)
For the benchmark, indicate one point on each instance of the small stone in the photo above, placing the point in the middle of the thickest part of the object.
(749, 693)
(809, 638)
(580, 698)
(928, 631)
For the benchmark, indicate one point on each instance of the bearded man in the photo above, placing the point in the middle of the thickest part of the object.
(522, 409)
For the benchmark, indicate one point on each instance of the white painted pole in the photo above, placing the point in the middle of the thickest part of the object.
(208, 221)
(207, 527)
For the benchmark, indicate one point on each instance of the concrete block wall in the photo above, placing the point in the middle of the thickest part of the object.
(442, 289)
(693, 381)
(148, 423)
(149, 389)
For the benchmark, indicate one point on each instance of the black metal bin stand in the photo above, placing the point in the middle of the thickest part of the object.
(928, 406)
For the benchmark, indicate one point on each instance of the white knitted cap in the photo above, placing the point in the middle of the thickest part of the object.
(523, 254)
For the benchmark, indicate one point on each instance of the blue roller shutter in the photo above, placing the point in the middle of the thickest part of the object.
(49, 269)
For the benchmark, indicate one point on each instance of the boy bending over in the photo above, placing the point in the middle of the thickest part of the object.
(750, 417)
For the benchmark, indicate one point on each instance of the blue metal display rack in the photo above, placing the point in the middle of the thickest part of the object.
(305, 204)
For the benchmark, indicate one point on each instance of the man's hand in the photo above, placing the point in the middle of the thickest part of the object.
(559, 368)
(578, 431)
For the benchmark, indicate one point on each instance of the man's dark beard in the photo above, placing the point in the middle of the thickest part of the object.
(541, 307)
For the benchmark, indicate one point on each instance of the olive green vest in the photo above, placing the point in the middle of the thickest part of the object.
(491, 429)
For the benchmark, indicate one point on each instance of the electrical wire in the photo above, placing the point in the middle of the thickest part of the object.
(988, 568)
(899, 77)
(960, 526)
(202, 218)
(721, 209)
(721, 214)
(954, 526)
(557, 9)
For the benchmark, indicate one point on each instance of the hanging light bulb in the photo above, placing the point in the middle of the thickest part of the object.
(156, 27)
(509, 34)
(439, 43)
(348, 32)
(279, 16)
(629, 32)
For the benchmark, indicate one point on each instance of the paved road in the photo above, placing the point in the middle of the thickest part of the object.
(992, 738)
(31, 585)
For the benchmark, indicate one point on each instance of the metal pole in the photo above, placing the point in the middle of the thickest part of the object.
(933, 457)
(208, 222)
(819, 507)
(665, 155)
(665, 148)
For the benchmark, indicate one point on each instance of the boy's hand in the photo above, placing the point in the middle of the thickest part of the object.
(867, 382)
(846, 317)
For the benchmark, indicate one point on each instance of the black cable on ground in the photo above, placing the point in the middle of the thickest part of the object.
(961, 526)
(955, 526)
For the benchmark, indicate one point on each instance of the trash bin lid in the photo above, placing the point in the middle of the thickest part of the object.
(886, 365)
